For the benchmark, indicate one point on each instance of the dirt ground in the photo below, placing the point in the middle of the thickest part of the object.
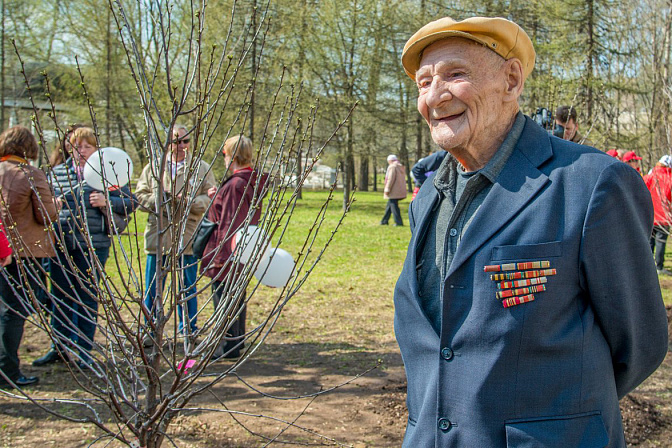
(368, 412)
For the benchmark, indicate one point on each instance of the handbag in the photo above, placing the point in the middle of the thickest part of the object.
(202, 236)
(116, 222)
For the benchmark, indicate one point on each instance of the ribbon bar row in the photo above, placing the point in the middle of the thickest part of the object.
(517, 266)
(525, 274)
(520, 291)
(521, 283)
(513, 301)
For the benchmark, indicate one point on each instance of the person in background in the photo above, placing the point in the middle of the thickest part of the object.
(11, 329)
(60, 154)
(27, 208)
(245, 188)
(566, 125)
(82, 225)
(63, 150)
(659, 183)
(613, 153)
(189, 181)
(541, 362)
(633, 160)
(395, 189)
(426, 166)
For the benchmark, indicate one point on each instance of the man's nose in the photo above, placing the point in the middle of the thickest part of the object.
(439, 92)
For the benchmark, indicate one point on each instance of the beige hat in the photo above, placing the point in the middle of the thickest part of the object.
(500, 35)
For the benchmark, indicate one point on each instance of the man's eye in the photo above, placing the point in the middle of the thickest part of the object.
(424, 83)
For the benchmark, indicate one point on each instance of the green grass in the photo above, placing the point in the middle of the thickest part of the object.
(349, 294)
(348, 298)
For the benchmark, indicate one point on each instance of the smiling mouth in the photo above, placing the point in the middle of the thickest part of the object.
(448, 118)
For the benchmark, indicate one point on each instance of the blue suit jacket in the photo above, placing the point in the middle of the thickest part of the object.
(548, 373)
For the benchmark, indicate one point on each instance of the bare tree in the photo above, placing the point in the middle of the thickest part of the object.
(197, 79)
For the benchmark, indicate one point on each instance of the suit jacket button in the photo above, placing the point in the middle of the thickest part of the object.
(447, 353)
(453, 232)
(444, 424)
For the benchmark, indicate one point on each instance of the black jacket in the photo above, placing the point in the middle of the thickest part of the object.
(78, 217)
(427, 165)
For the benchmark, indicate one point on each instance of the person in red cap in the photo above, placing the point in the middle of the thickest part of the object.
(632, 159)
(613, 153)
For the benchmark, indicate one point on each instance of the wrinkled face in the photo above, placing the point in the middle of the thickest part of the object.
(179, 145)
(83, 151)
(461, 89)
(570, 128)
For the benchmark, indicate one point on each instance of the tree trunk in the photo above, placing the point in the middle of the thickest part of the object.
(346, 184)
(592, 57)
(299, 171)
(108, 83)
(254, 66)
(420, 150)
(2, 69)
(364, 173)
(349, 155)
(403, 155)
(375, 174)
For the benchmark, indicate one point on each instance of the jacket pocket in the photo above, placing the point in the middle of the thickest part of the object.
(584, 430)
(527, 251)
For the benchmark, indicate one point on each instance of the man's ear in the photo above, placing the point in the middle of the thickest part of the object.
(515, 80)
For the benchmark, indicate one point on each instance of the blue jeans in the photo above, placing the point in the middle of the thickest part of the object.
(74, 304)
(658, 242)
(392, 208)
(188, 266)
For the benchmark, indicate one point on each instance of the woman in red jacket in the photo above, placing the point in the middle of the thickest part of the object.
(659, 183)
(230, 207)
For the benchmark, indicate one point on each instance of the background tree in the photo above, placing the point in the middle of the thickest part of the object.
(186, 80)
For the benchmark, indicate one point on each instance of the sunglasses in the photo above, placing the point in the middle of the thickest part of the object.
(184, 140)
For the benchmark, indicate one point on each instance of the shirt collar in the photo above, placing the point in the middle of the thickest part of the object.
(445, 176)
(496, 164)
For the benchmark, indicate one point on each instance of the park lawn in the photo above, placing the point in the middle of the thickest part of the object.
(347, 299)
(349, 293)
(337, 326)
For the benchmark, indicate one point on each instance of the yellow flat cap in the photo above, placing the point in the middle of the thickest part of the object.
(502, 36)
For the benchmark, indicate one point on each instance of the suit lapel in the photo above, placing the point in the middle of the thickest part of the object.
(424, 206)
(517, 184)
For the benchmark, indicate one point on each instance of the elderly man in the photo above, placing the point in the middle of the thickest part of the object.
(522, 317)
(188, 180)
